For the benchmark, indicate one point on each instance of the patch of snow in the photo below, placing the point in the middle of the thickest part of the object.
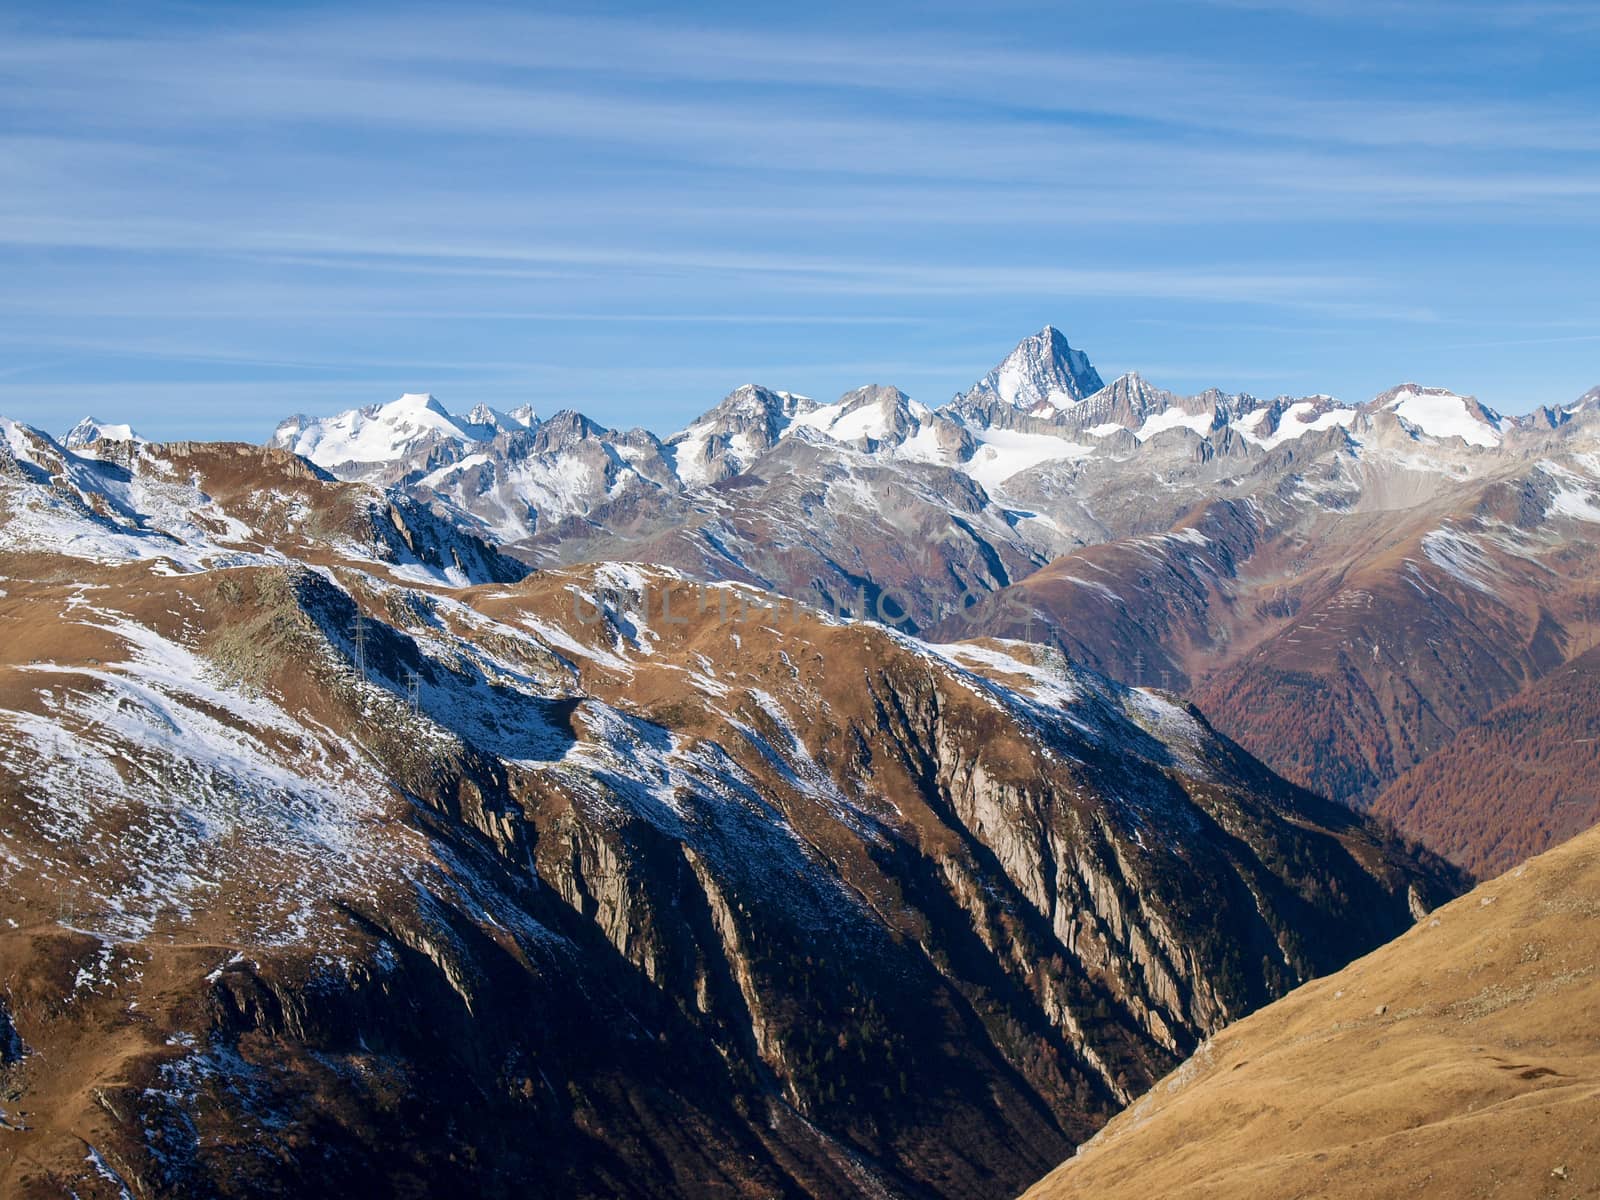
(1460, 557)
(1003, 453)
(1094, 586)
(436, 478)
(98, 1162)
(1299, 419)
(1047, 685)
(1174, 418)
(1440, 414)
(1575, 503)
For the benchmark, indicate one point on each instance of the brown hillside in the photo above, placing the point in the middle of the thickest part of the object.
(1341, 646)
(1525, 778)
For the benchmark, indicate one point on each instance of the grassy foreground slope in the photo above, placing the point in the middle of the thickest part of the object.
(1462, 1059)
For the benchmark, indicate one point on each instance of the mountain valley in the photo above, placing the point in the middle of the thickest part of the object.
(330, 824)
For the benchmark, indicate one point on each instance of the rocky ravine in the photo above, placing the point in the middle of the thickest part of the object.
(341, 856)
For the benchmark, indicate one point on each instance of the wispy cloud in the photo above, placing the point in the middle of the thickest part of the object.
(348, 188)
(799, 272)
(1552, 15)
(504, 72)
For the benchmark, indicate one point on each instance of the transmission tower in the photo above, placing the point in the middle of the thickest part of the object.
(414, 692)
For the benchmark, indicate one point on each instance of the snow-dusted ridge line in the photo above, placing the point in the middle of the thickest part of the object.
(877, 489)
(1044, 405)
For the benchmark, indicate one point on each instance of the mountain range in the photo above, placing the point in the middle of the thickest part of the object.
(824, 800)
(1048, 455)
(1342, 588)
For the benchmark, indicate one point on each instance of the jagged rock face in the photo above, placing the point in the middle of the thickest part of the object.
(1043, 373)
(1130, 402)
(484, 417)
(597, 883)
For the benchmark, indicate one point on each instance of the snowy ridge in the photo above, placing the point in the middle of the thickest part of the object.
(102, 512)
(89, 431)
(386, 433)
(1040, 419)
(152, 506)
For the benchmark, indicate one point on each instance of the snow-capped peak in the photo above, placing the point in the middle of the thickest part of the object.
(502, 422)
(751, 400)
(90, 430)
(746, 424)
(874, 413)
(415, 400)
(1043, 372)
(1441, 413)
(381, 433)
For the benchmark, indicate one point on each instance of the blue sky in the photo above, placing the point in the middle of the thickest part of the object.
(212, 216)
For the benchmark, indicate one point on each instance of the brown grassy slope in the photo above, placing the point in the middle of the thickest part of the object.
(1460, 1060)
(1525, 778)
